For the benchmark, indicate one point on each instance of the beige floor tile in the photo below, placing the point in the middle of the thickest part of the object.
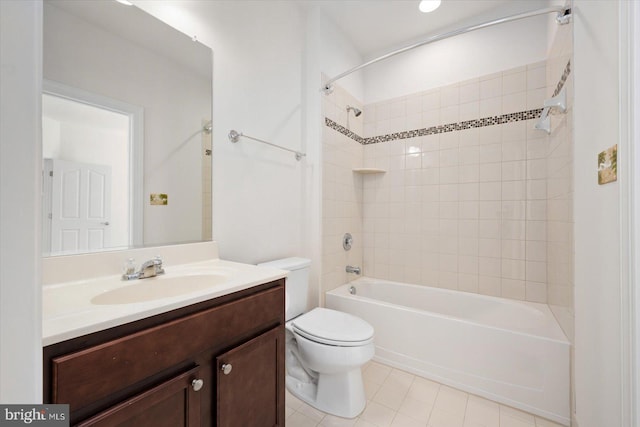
(291, 401)
(311, 412)
(378, 414)
(510, 417)
(376, 372)
(400, 378)
(300, 420)
(440, 418)
(401, 420)
(451, 400)
(396, 398)
(416, 409)
(333, 421)
(482, 412)
(390, 395)
(288, 411)
(362, 423)
(541, 422)
(370, 388)
(424, 390)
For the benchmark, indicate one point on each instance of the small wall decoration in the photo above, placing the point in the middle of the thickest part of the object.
(608, 165)
(159, 199)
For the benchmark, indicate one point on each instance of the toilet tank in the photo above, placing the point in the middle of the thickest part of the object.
(297, 284)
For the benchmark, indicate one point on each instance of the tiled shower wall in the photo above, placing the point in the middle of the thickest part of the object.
(341, 191)
(469, 197)
(464, 207)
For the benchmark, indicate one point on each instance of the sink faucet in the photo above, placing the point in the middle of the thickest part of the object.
(150, 268)
(351, 269)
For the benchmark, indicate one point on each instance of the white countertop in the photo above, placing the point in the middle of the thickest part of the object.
(69, 313)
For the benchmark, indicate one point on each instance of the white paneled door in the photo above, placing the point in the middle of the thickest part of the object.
(79, 197)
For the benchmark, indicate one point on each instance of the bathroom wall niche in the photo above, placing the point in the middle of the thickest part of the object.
(114, 58)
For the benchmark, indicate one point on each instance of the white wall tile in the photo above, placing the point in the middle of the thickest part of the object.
(461, 210)
(491, 88)
(490, 191)
(514, 289)
(431, 100)
(490, 153)
(536, 78)
(490, 172)
(469, 91)
(489, 248)
(449, 96)
(514, 82)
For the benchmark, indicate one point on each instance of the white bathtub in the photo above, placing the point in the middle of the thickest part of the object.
(513, 352)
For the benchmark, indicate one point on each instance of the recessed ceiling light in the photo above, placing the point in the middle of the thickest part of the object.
(427, 6)
(125, 2)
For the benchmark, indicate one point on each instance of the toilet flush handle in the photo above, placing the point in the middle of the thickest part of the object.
(226, 368)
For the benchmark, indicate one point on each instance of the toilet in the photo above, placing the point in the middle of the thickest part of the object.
(325, 349)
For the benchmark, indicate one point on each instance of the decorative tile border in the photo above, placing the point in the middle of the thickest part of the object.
(563, 79)
(451, 127)
(433, 130)
(343, 130)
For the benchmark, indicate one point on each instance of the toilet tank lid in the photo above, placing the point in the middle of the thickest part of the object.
(289, 264)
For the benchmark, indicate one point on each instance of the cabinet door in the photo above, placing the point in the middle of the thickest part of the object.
(174, 403)
(250, 383)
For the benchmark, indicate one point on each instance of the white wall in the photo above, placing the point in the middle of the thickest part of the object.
(328, 52)
(20, 165)
(597, 234)
(458, 59)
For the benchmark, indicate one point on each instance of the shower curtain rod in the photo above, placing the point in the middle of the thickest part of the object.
(563, 17)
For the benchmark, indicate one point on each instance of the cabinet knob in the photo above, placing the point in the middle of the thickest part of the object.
(197, 384)
(226, 368)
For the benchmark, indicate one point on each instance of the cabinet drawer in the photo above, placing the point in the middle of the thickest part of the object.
(86, 376)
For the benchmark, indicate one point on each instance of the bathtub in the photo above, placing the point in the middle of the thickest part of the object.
(512, 352)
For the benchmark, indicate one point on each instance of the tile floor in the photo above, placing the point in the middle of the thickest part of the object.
(398, 399)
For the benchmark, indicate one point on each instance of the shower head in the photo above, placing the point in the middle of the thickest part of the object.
(356, 111)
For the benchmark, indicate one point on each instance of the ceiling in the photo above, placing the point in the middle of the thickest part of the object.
(378, 26)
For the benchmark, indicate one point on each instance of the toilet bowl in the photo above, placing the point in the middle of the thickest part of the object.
(325, 349)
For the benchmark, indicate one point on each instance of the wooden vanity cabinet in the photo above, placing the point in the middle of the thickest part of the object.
(215, 363)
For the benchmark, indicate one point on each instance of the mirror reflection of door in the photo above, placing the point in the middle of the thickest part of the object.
(86, 197)
(79, 205)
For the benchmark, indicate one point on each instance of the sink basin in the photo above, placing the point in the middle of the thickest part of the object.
(154, 288)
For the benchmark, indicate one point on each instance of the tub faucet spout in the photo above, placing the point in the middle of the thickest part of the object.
(351, 269)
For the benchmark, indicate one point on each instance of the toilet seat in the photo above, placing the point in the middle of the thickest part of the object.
(332, 327)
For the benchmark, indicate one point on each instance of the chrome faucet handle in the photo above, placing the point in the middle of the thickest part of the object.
(157, 262)
(151, 268)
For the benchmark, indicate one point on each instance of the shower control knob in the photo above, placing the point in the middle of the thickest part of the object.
(197, 384)
(226, 368)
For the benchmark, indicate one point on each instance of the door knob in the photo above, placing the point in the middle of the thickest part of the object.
(105, 223)
(197, 384)
(226, 368)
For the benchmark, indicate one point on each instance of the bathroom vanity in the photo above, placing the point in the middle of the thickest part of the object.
(215, 360)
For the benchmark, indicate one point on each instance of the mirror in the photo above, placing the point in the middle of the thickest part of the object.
(127, 106)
